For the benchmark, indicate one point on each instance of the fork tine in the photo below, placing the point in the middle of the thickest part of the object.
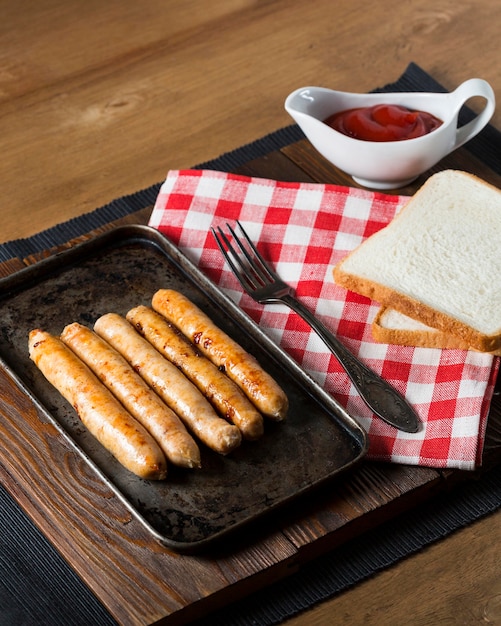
(265, 271)
(249, 267)
(230, 252)
(220, 238)
(256, 265)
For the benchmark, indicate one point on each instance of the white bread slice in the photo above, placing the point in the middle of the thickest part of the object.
(438, 261)
(390, 326)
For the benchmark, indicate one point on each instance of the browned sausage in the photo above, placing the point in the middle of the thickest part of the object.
(99, 410)
(175, 389)
(261, 388)
(222, 392)
(130, 389)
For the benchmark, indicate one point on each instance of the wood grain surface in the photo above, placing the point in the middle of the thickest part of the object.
(100, 99)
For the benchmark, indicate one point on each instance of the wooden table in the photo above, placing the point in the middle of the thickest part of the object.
(100, 100)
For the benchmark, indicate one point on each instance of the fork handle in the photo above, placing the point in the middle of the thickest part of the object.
(378, 394)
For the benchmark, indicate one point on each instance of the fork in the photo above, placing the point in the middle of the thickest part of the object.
(265, 286)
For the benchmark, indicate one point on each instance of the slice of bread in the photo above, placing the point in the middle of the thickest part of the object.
(390, 326)
(438, 261)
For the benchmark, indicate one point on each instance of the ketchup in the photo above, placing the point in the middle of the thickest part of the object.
(383, 122)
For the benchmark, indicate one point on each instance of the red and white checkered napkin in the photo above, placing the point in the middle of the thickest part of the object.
(303, 230)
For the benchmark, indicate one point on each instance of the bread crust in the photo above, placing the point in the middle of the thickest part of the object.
(427, 337)
(464, 334)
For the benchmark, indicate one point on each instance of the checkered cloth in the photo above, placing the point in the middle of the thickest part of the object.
(304, 230)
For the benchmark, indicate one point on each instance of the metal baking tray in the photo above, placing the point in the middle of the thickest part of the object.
(191, 509)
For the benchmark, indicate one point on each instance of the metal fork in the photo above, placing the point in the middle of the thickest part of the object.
(265, 286)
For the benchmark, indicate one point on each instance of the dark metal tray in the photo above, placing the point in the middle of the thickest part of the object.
(191, 509)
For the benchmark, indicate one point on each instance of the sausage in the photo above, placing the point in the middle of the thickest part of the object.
(223, 351)
(102, 414)
(175, 389)
(130, 389)
(221, 391)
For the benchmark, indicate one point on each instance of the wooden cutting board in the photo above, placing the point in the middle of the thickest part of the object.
(138, 580)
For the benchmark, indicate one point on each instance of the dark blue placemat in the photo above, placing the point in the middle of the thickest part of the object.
(37, 587)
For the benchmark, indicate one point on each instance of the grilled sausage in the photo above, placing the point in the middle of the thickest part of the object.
(220, 390)
(175, 389)
(99, 410)
(223, 351)
(130, 389)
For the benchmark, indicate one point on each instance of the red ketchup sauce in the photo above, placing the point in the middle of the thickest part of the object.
(383, 122)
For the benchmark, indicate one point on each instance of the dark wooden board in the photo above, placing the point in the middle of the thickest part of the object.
(141, 582)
